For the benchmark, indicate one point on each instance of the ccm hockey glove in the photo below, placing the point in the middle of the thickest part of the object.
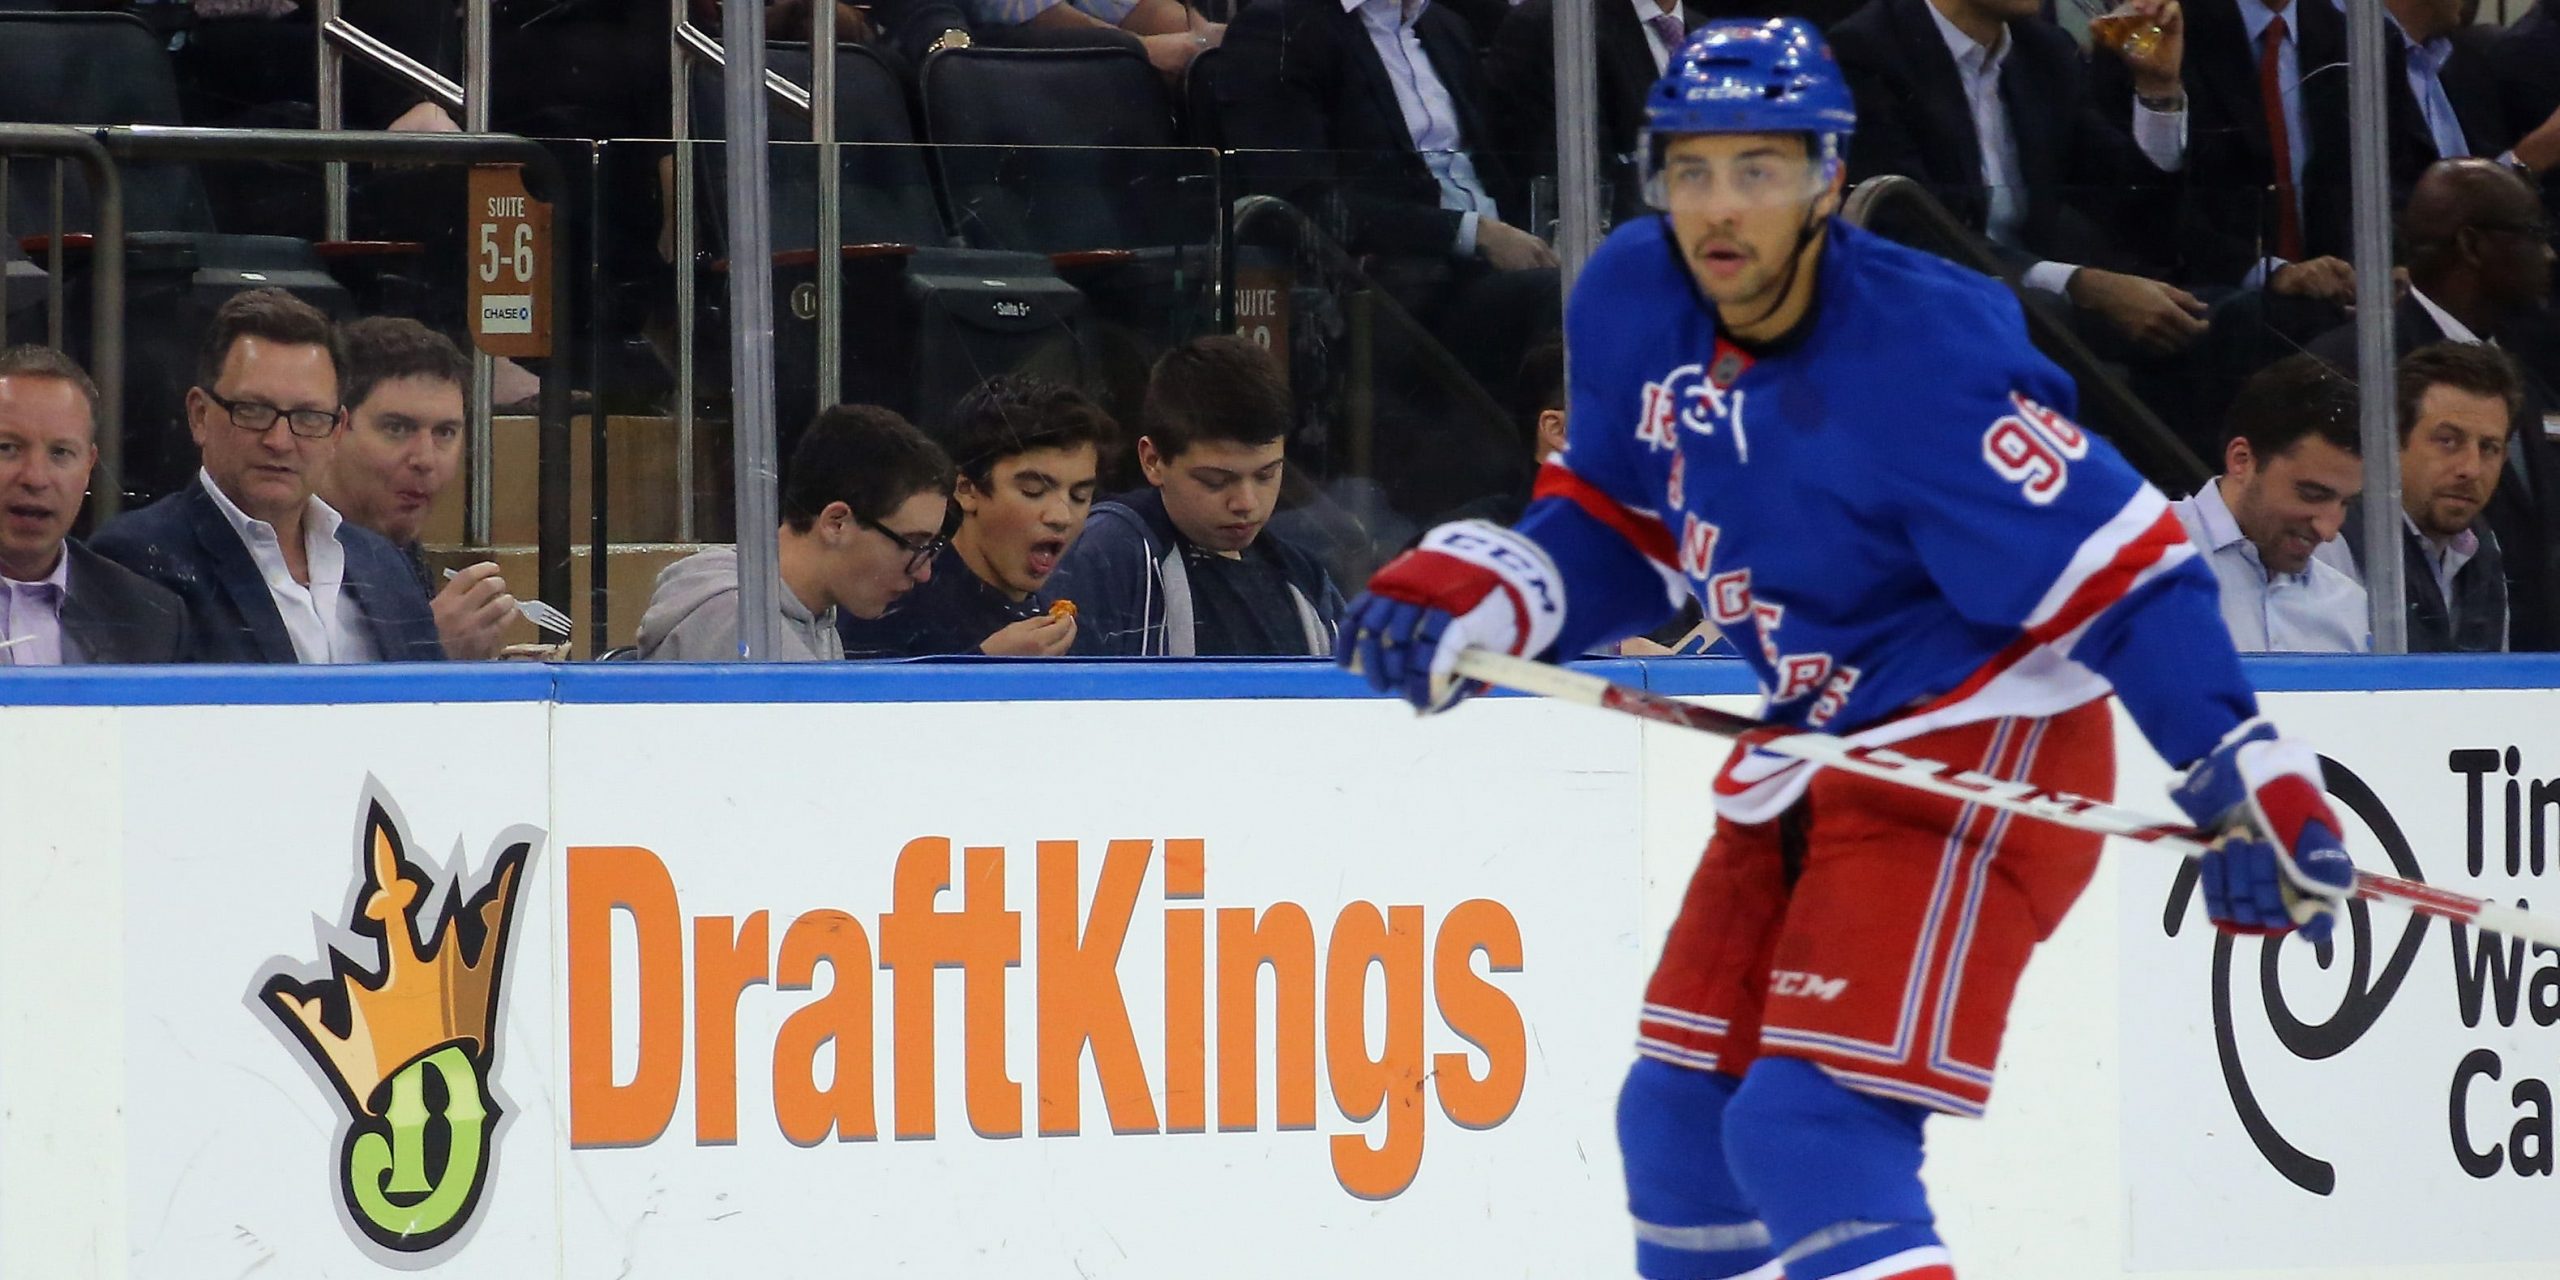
(1469, 585)
(2276, 863)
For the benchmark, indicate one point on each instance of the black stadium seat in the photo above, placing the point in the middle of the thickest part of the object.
(108, 68)
(1073, 152)
(1062, 150)
(924, 319)
(93, 68)
(1201, 125)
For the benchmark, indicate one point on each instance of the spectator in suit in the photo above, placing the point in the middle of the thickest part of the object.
(2443, 104)
(1987, 103)
(1369, 115)
(1188, 565)
(1311, 80)
(268, 571)
(2254, 219)
(2479, 264)
(1028, 453)
(2457, 401)
(60, 602)
(866, 508)
(402, 446)
(1635, 38)
(2290, 470)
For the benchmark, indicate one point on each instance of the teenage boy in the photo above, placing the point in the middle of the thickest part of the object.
(1027, 452)
(866, 504)
(1186, 565)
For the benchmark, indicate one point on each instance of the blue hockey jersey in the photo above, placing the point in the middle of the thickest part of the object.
(1890, 513)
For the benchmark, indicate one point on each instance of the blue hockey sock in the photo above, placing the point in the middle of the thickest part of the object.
(1692, 1222)
(1835, 1173)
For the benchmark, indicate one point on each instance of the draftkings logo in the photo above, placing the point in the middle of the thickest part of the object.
(402, 1024)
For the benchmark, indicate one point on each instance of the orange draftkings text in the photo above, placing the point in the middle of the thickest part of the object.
(1075, 946)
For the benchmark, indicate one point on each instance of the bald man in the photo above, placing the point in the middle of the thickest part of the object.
(2480, 258)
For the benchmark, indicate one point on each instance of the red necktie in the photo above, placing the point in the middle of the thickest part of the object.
(2271, 97)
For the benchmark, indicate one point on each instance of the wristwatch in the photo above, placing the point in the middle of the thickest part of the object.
(951, 38)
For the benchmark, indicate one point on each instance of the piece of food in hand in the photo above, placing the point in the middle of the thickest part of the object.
(1062, 609)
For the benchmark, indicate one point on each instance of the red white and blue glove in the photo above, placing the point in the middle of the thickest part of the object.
(2276, 863)
(1469, 585)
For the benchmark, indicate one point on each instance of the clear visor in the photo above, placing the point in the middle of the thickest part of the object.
(1753, 179)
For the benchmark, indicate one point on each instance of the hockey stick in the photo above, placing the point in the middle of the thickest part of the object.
(1938, 778)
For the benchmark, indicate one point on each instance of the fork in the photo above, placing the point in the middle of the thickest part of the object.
(538, 612)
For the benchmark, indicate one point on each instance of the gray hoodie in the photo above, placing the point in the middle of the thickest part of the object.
(693, 616)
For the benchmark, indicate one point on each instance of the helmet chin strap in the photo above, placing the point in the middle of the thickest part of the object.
(1795, 262)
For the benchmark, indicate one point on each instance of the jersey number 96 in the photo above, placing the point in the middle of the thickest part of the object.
(2034, 449)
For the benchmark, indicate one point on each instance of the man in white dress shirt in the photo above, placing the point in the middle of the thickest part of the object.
(269, 572)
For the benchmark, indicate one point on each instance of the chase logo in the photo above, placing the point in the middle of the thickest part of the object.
(408, 1039)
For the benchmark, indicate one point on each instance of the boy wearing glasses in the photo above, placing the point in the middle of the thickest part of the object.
(866, 507)
(1028, 451)
(268, 571)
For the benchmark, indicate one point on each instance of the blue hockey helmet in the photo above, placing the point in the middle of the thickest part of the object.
(1744, 76)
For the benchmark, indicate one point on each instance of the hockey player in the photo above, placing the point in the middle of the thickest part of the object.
(1851, 455)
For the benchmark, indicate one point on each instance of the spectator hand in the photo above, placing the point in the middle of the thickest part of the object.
(2276, 863)
(2540, 149)
(1045, 636)
(1470, 585)
(470, 612)
(1172, 53)
(1508, 248)
(2157, 316)
(2321, 279)
(2156, 75)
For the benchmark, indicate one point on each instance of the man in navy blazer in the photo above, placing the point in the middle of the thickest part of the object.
(268, 571)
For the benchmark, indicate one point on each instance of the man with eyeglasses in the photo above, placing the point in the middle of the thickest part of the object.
(866, 507)
(268, 571)
(2480, 259)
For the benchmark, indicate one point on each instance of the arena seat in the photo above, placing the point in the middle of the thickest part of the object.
(1201, 124)
(109, 68)
(1073, 152)
(1061, 150)
(924, 318)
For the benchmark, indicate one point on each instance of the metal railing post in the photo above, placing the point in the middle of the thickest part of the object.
(599, 541)
(680, 129)
(1577, 78)
(480, 490)
(822, 131)
(685, 44)
(333, 117)
(106, 285)
(2369, 192)
(751, 324)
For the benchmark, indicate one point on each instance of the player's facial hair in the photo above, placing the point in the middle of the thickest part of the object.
(1805, 232)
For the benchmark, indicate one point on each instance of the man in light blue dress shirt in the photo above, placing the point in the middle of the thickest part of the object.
(2290, 469)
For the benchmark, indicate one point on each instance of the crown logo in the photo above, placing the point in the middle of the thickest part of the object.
(427, 1004)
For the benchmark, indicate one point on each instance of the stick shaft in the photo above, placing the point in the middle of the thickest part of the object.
(1938, 778)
